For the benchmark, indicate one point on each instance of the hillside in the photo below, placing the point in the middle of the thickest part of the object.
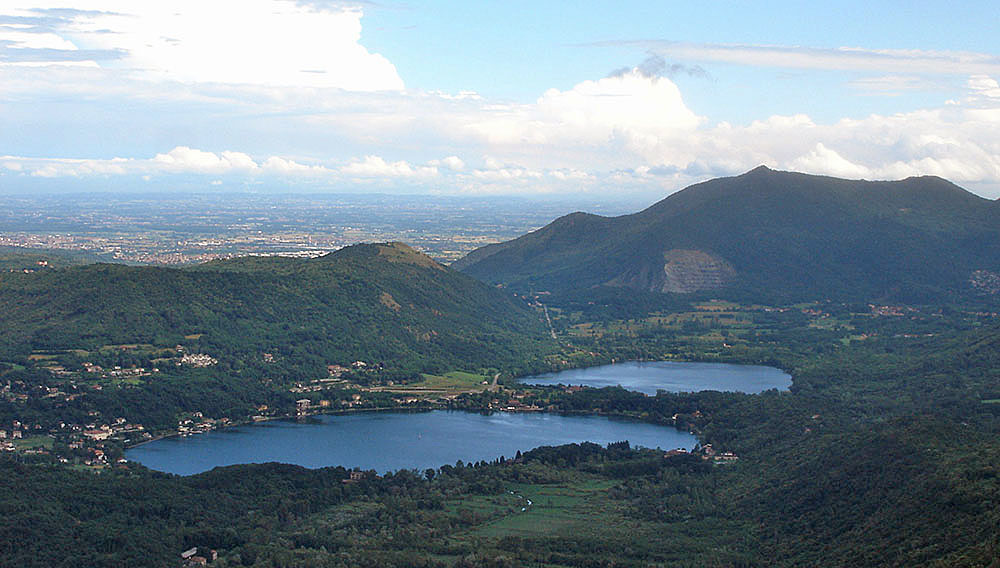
(384, 303)
(769, 234)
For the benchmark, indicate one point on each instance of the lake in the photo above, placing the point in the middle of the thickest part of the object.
(671, 376)
(388, 441)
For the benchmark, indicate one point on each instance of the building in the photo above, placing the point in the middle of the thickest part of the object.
(302, 406)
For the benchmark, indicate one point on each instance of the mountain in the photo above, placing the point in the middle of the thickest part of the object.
(375, 302)
(769, 234)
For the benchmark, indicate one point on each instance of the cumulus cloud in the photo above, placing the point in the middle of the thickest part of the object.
(960, 144)
(190, 160)
(262, 42)
(506, 173)
(180, 160)
(377, 167)
(187, 161)
(453, 163)
(983, 89)
(630, 111)
(639, 127)
(279, 165)
(824, 160)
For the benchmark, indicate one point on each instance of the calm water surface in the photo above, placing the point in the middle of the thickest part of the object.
(671, 376)
(386, 441)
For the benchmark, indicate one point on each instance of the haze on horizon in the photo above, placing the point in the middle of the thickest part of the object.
(636, 99)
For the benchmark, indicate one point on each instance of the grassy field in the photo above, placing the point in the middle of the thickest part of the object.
(585, 510)
(554, 510)
(434, 386)
(42, 357)
(455, 380)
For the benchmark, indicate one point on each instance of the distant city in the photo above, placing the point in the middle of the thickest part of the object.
(191, 228)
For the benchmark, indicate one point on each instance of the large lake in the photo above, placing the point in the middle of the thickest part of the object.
(672, 377)
(388, 441)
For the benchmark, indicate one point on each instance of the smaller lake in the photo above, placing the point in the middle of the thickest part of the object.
(671, 376)
(388, 441)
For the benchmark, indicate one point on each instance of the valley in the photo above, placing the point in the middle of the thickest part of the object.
(354, 284)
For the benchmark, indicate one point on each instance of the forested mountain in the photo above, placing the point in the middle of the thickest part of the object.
(769, 234)
(373, 303)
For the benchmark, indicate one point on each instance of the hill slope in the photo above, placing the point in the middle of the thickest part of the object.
(767, 233)
(379, 303)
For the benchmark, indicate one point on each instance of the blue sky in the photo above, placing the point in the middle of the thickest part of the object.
(595, 98)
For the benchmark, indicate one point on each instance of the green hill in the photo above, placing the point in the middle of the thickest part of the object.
(769, 234)
(384, 303)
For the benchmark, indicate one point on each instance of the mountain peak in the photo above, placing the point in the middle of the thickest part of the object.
(402, 252)
(759, 170)
(396, 252)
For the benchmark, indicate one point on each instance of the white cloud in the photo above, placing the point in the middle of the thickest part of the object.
(261, 42)
(960, 142)
(453, 163)
(629, 114)
(506, 174)
(190, 160)
(629, 103)
(377, 167)
(181, 160)
(984, 88)
(824, 160)
(283, 166)
(572, 175)
(30, 40)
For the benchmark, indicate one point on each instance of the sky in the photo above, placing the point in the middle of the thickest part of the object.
(594, 99)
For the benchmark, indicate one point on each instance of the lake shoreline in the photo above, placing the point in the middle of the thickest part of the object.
(390, 441)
